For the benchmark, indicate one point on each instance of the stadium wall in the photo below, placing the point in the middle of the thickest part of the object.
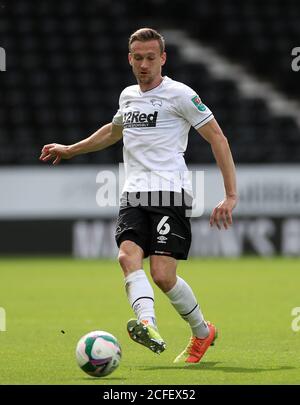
(63, 210)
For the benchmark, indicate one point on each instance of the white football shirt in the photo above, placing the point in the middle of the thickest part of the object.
(156, 124)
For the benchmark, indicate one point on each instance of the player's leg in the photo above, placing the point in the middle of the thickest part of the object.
(170, 241)
(138, 289)
(181, 296)
(140, 294)
(132, 238)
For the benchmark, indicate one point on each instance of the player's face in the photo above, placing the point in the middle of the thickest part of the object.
(146, 61)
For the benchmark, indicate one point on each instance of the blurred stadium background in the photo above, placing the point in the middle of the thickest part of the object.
(66, 64)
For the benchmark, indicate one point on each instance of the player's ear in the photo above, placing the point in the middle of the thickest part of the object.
(130, 59)
(163, 58)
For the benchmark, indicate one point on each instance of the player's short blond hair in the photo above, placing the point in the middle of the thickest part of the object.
(147, 34)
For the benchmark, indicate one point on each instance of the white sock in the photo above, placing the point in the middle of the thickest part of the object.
(141, 296)
(184, 301)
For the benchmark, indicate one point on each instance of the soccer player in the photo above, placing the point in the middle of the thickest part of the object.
(154, 118)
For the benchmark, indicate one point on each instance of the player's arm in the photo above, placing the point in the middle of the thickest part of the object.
(101, 139)
(213, 134)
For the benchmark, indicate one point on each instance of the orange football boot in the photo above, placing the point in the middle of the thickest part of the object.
(197, 347)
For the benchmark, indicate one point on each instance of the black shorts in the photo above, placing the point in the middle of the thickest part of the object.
(157, 222)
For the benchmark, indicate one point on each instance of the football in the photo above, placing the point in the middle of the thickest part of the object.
(98, 353)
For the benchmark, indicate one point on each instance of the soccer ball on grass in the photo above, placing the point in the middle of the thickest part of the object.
(98, 353)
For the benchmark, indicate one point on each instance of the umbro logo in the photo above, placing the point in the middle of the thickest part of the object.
(162, 238)
(133, 119)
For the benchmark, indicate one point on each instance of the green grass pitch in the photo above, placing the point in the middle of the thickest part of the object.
(250, 300)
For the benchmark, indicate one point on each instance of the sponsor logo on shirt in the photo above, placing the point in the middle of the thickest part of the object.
(198, 103)
(132, 119)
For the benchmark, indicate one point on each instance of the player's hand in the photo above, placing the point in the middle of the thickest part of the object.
(222, 214)
(55, 151)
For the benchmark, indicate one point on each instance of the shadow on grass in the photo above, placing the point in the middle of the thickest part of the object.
(212, 366)
(104, 379)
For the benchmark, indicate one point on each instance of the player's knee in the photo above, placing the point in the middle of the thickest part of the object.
(130, 258)
(162, 279)
(126, 261)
